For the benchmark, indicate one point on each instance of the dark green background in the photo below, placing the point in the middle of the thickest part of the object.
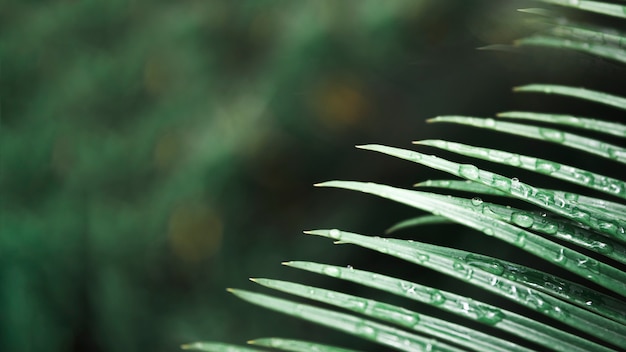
(155, 153)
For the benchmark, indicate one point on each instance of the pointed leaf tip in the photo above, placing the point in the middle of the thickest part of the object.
(322, 184)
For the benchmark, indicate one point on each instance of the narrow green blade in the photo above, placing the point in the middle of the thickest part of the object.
(576, 262)
(583, 320)
(592, 6)
(551, 135)
(217, 347)
(418, 221)
(363, 328)
(446, 331)
(589, 34)
(296, 345)
(612, 209)
(605, 51)
(501, 319)
(594, 218)
(465, 186)
(554, 169)
(562, 229)
(580, 93)
(566, 290)
(611, 128)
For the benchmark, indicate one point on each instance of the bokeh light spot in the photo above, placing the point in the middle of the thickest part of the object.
(195, 232)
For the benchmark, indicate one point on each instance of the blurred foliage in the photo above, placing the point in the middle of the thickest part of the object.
(153, 153)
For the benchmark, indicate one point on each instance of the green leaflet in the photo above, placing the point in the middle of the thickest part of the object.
(363, 328)
(611, 209)
(589, 145)
(580, 264)
(414, 252)
(595, 218)
(411, 320)
(595, 224)
(605, 51)
(580, 93)
(502, 319)
(539, 222)
(592, 6)
(615, 129)
(465, 186)
(564, 289)
(217, 347)
(296, 345)
(421, 220)
(547, 167)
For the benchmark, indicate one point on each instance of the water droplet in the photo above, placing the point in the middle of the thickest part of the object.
(522, 220)
(583, 177)
(543, 214)
(601, 247)
(520, 241)
(331, 271)
(408, 288)
(476, 201)
(423, 258)
(515, 184)
(467, 272)
(437, 298)
(490, 122)
(365, 330)
(334, 233)
(560, 257)
(488, 315)
(552, 135)
(580, 215)
(469, 171)
(415, 156)
(559, 202)
(489, 265)
(546, 167)
(488, 231)
(350, 267)
(608, 227)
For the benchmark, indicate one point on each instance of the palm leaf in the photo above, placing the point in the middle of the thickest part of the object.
(590, 232)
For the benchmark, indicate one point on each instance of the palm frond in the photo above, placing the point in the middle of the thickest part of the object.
(581, 233)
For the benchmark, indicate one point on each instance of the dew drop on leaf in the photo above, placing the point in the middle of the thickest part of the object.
(468, 171)
(522, 220)
(488, 315)
(334, 233)
(331, 271)
(437, 298)
(476, 201)
(552, 135)
(520, 241)
(546, 167)
(490, 265)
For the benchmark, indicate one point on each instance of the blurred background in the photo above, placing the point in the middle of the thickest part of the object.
(155, 153)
